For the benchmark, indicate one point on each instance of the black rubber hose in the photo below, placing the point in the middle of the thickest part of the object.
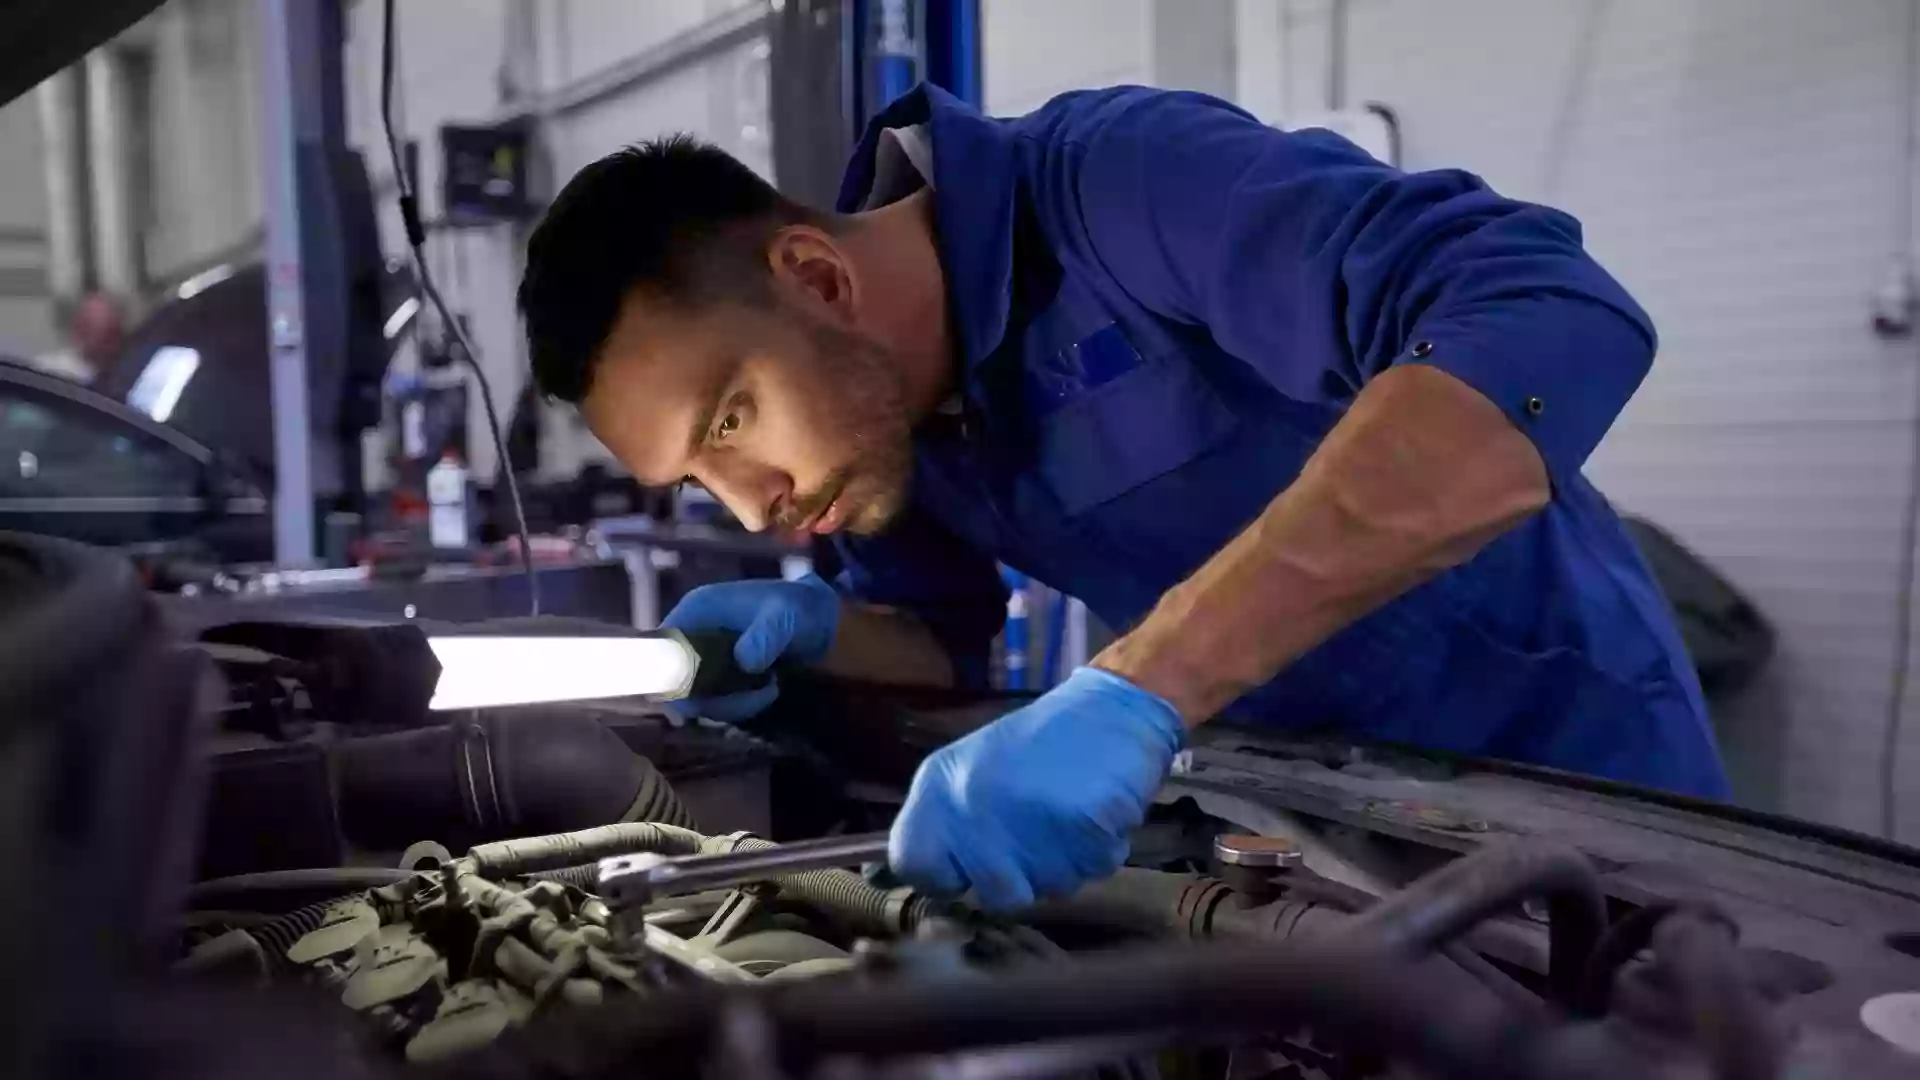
(1350, 900)
(1133, 900)
(491, 774)
(285, 890)
(654, 799)
(1354, 995)
(533, 854)
(1438, 908)
(843, 895)
(1152, 903)
(1728, 1018)
(1622, 942)
(278, 935)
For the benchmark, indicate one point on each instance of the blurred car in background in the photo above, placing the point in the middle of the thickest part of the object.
(78, 464)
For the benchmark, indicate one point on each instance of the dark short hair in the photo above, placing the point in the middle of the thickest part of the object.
(676, 216)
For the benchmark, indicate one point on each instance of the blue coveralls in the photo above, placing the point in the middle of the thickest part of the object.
(1162, 306)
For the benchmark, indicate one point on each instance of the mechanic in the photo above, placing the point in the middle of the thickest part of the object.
(1310, 427)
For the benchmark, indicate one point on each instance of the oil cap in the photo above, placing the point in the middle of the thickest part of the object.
(1256, 852)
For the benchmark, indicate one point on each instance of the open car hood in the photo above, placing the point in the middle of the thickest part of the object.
(39, 37)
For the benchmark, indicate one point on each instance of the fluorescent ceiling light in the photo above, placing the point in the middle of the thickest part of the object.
(157, 389)
(203, 281)
(401, 316)
(485, 672)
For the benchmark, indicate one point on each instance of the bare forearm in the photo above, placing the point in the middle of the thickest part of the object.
(1420, 474)
(887, 645)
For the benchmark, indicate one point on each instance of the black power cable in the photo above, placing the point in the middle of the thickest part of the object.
(416, 242)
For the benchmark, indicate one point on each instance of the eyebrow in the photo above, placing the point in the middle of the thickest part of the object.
(695, 436)
(701, 425)
(716, 395)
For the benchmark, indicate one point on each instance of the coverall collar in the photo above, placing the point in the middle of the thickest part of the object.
(973, 199)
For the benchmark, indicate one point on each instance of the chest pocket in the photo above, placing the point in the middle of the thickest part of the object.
(1130, 430)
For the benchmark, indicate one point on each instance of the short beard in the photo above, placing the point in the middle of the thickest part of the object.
(871, 406)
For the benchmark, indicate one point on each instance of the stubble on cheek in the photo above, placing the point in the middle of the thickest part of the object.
(870, 412)
(888, 488)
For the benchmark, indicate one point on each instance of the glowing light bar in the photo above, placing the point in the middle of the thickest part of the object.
(488, 672)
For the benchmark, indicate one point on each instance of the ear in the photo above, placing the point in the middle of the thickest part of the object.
(811, 267)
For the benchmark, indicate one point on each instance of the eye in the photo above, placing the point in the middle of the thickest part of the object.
(734, 415)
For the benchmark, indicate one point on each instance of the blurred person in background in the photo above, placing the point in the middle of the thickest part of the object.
(95, 334)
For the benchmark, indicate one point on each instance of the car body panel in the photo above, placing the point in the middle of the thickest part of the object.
(77, 464)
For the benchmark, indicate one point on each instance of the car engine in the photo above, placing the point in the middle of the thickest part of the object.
(244, 867)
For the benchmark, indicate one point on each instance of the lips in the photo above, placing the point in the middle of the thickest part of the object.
(830, 519)
(822, 521)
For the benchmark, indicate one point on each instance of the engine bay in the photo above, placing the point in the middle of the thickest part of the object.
(1509, 960)
(250, 868)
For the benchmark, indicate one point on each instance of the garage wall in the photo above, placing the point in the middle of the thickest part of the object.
(1739, 163)
(26, 318)
(449, 72)
(205, 109)
(507, 56)
(194, 127)
(1033, 51)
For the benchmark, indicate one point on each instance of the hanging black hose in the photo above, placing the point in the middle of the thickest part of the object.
(1438, 908)
(416, 242)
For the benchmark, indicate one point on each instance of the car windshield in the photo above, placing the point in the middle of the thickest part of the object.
(53, 448)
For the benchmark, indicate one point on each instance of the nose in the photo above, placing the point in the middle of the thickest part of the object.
(753, 491)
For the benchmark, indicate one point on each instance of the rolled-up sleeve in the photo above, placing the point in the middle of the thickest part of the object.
(920, 567)
(1321, 267)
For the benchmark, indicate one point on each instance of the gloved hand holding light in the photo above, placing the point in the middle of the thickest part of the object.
(718, 646)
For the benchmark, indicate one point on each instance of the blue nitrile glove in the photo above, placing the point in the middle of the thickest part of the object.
(1041, 800)
(775, 619)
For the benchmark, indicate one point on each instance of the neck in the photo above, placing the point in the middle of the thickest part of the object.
(909, 289)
